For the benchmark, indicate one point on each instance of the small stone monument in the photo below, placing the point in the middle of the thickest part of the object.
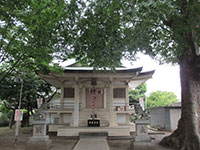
(40, 137)
(142, 139)
(142, 121)
(39, 131)
(142, 130)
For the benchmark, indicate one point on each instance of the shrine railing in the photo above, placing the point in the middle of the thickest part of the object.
(58, 105)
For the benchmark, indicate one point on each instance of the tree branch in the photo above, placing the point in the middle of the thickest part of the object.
(168, 23)
(3, 57)
(7, 107)
(4, 33)
(49, 99)
(8, 46)
(11, 69)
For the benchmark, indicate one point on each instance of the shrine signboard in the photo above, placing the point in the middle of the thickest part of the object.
(18, 115)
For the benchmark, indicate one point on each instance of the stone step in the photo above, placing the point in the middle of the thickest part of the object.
(91, 144)
(102, 121)
(93, 134)
(101, 124)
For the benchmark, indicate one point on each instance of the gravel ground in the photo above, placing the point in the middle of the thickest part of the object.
(63, 143)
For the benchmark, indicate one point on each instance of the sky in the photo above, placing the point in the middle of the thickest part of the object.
(165, 78)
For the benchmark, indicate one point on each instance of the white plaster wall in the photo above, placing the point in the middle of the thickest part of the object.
(69, 83)
(118, 83)
(107, 98)
(83, 98)
(48, 118)
(69, 103)
(54, 119)
(167, 123)
(157, 116)
(175, 115)
(165, 117)
(119, 102)
(121, 118)
(56, 98)
(67, 118)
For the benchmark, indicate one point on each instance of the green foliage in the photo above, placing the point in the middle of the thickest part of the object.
(5, 114)
(161, 98)
(100, 38)
(33, 88)
(98, 33)
(139, 92)
(28, 34)
(109, 30)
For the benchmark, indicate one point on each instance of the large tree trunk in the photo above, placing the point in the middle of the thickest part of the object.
(187, 135)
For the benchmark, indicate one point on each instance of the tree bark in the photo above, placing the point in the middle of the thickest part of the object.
(28, 114)
(11, 122)
(187, 135)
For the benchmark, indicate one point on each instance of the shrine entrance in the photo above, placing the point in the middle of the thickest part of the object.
(97, 97)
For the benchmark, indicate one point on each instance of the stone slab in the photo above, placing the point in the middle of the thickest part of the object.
(142, 121)
(92, 144)
(143, 145)
(112, 131)
(39, 139)
(143, 138)
(34, 145)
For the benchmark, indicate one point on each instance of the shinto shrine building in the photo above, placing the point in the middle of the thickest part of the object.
(93, 101)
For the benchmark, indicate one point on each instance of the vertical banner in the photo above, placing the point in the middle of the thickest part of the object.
(18, 115)
(141, 101)
(39, 102)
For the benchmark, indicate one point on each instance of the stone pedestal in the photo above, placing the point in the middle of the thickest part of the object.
(39, 139)
(39, 131)
(142, 130)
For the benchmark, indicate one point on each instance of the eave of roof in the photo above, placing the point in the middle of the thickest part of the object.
(145, 74)
(91, 70)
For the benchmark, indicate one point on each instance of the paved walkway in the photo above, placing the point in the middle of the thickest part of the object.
(92, 144)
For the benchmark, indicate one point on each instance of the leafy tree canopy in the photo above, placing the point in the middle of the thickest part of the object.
(33, 88)
(161, 98)
(29, 34)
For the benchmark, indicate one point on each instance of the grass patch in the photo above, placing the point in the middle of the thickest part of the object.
(7, 130)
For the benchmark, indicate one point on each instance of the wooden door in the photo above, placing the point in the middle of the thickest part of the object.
(98, 98)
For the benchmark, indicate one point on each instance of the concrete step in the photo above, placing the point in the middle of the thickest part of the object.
(93, 134)
(92, 144)
(101, 121)
(85, 125)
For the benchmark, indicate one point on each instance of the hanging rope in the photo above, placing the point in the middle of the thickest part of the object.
(93, 97)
